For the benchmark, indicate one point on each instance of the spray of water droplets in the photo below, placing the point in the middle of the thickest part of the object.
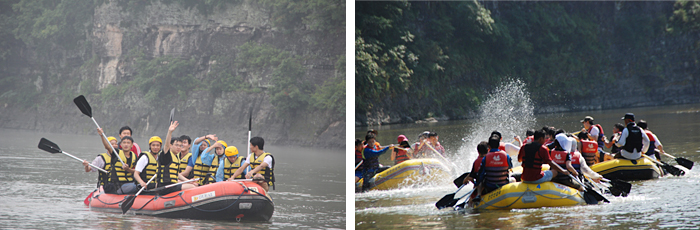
(507, 109)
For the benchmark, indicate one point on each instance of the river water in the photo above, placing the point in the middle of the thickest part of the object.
(668, 202)
(43, 190)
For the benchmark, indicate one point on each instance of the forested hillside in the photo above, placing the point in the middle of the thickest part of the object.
(439, 59)
(214, 61)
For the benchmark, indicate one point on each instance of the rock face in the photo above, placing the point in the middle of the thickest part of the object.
(171, 30)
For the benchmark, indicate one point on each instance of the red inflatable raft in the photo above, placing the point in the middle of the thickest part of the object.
(228, 200)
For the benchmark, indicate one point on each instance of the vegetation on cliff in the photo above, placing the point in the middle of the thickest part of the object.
(421, 58)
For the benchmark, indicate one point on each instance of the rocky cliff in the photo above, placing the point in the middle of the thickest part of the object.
(119, 37)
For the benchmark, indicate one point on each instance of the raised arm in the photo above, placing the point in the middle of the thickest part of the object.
(104, 141)
(166, 145)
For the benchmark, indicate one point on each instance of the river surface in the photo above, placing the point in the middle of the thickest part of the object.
(668, 202)
(43, 190)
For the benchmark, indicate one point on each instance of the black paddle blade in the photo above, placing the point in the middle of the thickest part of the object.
(684, 162)
(620, 188)
(673, 170)
(447, 201)
(126, 205)
(459, 181)
(250, 119)
(48, 146)
(83, 105)
(172, 114)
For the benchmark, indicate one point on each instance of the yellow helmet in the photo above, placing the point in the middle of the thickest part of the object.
(155, 138)
(223, 143)
(231, 151)
(111, 138)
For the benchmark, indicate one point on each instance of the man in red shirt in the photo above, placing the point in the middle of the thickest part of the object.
(533, 155)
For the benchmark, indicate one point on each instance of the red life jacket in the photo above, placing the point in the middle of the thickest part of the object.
(358, 158)
(401, 156)
(601, 135)
(652, 142)
(477, 164)
(528, 140)
(502, 146)
(496, 168)
(576, 161)
(559, 157)
(589, 150)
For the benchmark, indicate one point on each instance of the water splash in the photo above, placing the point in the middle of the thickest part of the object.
(507, 109)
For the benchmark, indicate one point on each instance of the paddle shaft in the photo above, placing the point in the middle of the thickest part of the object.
(173, 185)
(443, 158)
(577, 181)
(81, 160)
(110, 145)
(358, 164)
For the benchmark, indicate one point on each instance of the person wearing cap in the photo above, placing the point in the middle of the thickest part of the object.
(227, 165)
(147, 163)
(370, 159)
(654, 142)
(400, 155)
(198, 146)
(594, 130)
(262, 165)
(99, 161)
(633, 141)
(126, 131)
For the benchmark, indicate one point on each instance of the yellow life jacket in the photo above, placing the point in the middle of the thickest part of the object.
(200, 170)
(183, 162)
(168, 173)
(268, 173)
(103, 178)
(119, 175)
(150, 169)
(229, 167)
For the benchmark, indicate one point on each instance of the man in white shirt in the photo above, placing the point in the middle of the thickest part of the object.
(262, 164)
(633, 141)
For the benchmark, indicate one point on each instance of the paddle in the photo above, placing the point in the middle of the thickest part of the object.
(681, 161)
(672, 170)
(590, 181)
(51, 147)
(460, 180)
(358, 164)
(84, 107)
(172, 185)
(590, 192)
(454, 167)
(448, 200)
(126, 205)
(619, 187)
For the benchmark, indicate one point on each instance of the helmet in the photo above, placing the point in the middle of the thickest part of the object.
(223, 143)
(111, 138)
(231, 151)
(155, 138)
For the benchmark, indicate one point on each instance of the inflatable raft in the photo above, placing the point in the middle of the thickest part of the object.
(521, 195)
(228, 200)
(408, 172)
(641, 169)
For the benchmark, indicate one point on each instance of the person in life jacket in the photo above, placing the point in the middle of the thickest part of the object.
(185, 154)
(589, 149)
(147, 164)
(198, 146)
(359, 163)
(120, 179)
(482, 148)
(203, 166)
(370, 158)
(228, 164)
(493, 170)
(419, 148)
(633, 141)
(564, 159)
(433, 142)
(376, 145)
(594, 130)
(168, 170)
(509, 148)
(533, 155)
(399, 155)
(654, 142)
(262, 164)
(126, 131)
(100, 162)
(610, 143)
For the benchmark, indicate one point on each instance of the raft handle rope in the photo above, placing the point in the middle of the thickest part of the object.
(245, 189)
(98, 199)
(530, 190)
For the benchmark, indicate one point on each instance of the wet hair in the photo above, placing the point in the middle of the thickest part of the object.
(559, 131)
(482, 147)
(358, 142)
(174, 139)
(187, 138)
(497, 133)
(529, 132)
(538, 134)
(257, 141)
(583, 135)
(127, 138)
(432, 134)
(373, 131)
(126, 128)
(642, 124)
(619, 126)
(494, 142)
(556, 144)
(549, 131)
(369, 136)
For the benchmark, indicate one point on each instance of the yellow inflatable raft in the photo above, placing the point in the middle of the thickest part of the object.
(521, 195)
(641, 169)
(406, 173)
